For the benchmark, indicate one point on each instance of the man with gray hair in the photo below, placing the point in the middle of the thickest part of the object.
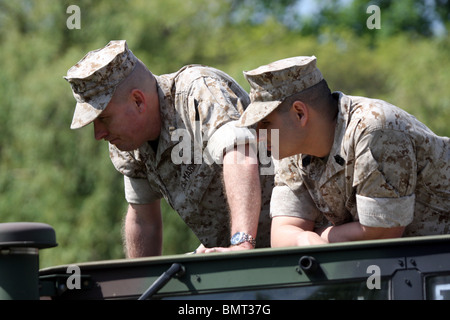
(350, 168)
(146, 118)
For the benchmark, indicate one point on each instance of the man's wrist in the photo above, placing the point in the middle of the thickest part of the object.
(243, 239)
(244, 245)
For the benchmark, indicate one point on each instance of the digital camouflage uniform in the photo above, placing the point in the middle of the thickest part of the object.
(205, 102)
(200, 102)
(385, 168)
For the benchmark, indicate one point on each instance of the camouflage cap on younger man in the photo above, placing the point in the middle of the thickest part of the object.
(95, 78)
(272, 83)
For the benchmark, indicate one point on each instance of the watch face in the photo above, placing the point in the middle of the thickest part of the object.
(237, 238)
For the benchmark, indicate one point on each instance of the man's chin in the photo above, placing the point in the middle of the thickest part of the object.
(279, 156)
(121, 147)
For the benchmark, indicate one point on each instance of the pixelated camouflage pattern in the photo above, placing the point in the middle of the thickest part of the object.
(271, 84)
(95, 77)
(200, 100)
(385, 169)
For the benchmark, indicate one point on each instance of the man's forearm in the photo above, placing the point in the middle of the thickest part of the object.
(355, 231)
(143, 230)
(291, 231)
(243, 190)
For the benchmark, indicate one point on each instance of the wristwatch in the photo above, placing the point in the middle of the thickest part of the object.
(241, 237)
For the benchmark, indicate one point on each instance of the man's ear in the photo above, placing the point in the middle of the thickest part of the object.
(301, 111)
(138, 98)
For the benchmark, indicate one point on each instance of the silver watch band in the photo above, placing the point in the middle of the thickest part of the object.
(241, 237)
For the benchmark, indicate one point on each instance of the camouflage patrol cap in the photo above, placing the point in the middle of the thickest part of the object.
(271, 84)
(95, 78)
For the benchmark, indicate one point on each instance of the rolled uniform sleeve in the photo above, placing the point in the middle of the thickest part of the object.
(385, 179)
(228, 136)
(139, 191)
(136, 185)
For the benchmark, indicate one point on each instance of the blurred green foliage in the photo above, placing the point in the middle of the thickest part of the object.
(51, 174)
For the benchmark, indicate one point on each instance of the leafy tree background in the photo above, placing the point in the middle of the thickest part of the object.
(51, 174)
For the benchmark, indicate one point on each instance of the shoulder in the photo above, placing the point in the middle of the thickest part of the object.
(201, 81)
(366, 119)
(374, 114)
(191, 73)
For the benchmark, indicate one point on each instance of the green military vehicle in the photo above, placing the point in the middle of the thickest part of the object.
(396, 269)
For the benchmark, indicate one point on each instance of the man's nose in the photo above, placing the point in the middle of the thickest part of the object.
(100, 131)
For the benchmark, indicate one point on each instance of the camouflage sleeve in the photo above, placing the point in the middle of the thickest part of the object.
(385, 179)
(139, 191)
(290, 196)
(137, 188)
(218, 104)
(228, 136)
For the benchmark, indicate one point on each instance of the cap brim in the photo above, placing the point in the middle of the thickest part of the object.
(86, 112)
(255, 112)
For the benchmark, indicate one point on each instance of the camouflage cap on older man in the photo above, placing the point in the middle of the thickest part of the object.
(95, 77)
(272, 83)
